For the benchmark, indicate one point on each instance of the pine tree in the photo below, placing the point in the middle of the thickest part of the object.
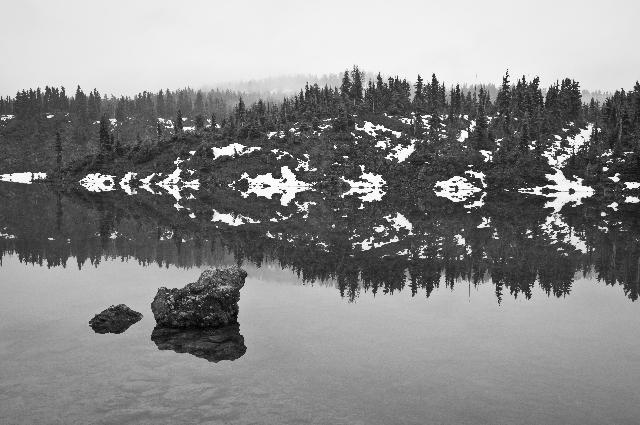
(345, 87)
(198, 107)
(356, 85)
(504, 104)
(160, 105)
(199, 122)
(418, 96)
(177, 126)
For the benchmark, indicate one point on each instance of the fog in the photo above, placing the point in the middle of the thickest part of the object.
(126, 46)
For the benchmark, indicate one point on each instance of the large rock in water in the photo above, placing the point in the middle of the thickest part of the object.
(116, 319)
(210, 302)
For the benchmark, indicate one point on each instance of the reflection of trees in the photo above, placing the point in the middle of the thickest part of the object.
(514, 253)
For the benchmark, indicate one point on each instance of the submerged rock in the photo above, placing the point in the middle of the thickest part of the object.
(210, 302)
(116, 319)
(214, 345)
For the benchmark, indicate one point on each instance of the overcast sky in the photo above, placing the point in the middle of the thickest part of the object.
(129, 46)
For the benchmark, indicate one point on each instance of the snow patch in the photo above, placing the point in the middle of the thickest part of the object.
(97, 182)
(233, 150)
(25, 178)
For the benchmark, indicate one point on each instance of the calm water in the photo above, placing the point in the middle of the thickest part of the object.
(507, 327)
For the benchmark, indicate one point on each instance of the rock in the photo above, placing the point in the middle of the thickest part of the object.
(116, 319)
(210, 302)
(214, 345)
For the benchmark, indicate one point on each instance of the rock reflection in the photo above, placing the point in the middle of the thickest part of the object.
(213, 345)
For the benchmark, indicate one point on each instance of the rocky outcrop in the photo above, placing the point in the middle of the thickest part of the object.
(214, 345)
(210, 302)
(116, 319)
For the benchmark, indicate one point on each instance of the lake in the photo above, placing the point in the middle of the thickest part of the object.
(402, 311)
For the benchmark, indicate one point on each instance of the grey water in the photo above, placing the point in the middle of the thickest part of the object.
(461, 349)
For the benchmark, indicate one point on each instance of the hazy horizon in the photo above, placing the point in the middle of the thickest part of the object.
(129, 47)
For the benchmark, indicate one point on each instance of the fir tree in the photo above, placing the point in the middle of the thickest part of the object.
(177, 126)
(345, 87)
(356, 85)
(418, 96)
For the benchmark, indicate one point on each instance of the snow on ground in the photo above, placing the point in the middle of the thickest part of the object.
(369, 187)
(478, 175)
(478, 203)
(632, 185)
(372, 129)
(280, 153)
(232, 220)
(146, 183)
(488, 155)
(96, 182)
(7, 117)
(304, 208)
(279, 134)
(456, 189)
(25, 178)
(485, 223)
(126, 181)
(563, 190)
(615, 178)
(632, 200)
(303, 165)
(397, 222)
(232, 150)
(266, 185)
(400, 152)
(558, 156)
(400, 222)
(464, 134)
(559, 231)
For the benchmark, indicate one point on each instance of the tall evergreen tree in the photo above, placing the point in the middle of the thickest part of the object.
(356, 85)
(177, 126)
(345, 87)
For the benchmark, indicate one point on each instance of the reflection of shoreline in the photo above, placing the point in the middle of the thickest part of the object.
(214, 345)
(443, 247)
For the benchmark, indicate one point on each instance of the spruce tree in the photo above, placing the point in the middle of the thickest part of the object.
(345, 87)
(503, 102)
(356, 85)
(418, 96)
(177, 126)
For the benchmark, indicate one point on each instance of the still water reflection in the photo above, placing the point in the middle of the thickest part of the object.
(512, 324)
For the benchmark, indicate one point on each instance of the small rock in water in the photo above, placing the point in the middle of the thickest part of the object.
(116, 319)
(210, 302)
(214, 345)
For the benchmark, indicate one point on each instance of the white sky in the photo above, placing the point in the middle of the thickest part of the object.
(129, 46)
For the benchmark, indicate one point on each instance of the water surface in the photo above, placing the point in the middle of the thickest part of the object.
(520, 332)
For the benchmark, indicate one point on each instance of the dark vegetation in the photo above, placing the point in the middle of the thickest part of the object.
(517, 255)
(516, 126)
